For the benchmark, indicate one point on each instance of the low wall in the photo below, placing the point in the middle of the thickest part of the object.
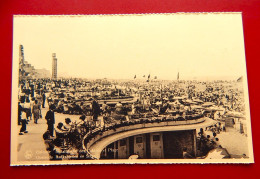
(104, 134)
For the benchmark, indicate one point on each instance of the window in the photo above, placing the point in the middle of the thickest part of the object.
(122, 142)
(156, 137)
(139, 140)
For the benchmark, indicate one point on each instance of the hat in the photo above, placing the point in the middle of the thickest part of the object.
(83, 117)
(52, 107)
(67, 120)
(59, 125)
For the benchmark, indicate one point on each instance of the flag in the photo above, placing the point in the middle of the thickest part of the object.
(178, 76)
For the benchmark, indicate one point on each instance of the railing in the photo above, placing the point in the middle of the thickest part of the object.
(93, 136)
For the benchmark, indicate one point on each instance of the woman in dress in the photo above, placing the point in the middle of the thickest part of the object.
(36, 111)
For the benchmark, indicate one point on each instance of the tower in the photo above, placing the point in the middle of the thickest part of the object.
(54, 66)
(21, 62)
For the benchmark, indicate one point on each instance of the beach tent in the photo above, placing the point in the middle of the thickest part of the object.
(235, 114)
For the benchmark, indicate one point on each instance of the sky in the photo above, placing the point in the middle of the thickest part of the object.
(122, 46)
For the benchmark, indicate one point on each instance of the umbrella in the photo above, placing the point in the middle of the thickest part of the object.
(214, 108)
(179, 97)
(190, 101)
(235, 114)
(155, 110)
(198, 100)
(158, 103)
(208, 104)
(197, 107)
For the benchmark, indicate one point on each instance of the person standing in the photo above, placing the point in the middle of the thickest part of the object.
(119, 107)
(31, 106)
(22, 96)
(104, 108)
(39, 98)
(32, 90)
(20, 109)
(24, 123)
(43, 99)
(27, 108)
(95, 111)
(50, 117)
(36, 111)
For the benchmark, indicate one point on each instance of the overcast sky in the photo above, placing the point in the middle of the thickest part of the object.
(205, 45)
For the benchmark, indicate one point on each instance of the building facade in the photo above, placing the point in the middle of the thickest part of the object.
(21, 62)
(27, 70)
(149, 140)
(158, 145)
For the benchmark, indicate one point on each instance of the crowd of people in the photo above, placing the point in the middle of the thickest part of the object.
(207, 142)
(29, 108)
(108, 104)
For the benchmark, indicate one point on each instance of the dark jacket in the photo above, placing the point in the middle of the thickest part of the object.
(50, 117)
(95, 107)
(43, 96)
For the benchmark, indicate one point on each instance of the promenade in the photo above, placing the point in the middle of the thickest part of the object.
(235, 142)
(31, 146)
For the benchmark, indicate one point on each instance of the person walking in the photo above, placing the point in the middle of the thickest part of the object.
(24, 123)
(36, 111)
(50, 117)
(39, 98)
(43, 99)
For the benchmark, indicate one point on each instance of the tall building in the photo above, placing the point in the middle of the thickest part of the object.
(21, 62)
(54, 66)
(27, 70)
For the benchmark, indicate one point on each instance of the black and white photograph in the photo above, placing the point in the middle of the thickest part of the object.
(129, 88)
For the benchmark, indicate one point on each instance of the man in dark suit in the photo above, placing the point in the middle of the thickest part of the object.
(43, 99)
(95, 110)
(50, 119)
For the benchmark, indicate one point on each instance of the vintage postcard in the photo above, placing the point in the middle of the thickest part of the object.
(140, 88)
